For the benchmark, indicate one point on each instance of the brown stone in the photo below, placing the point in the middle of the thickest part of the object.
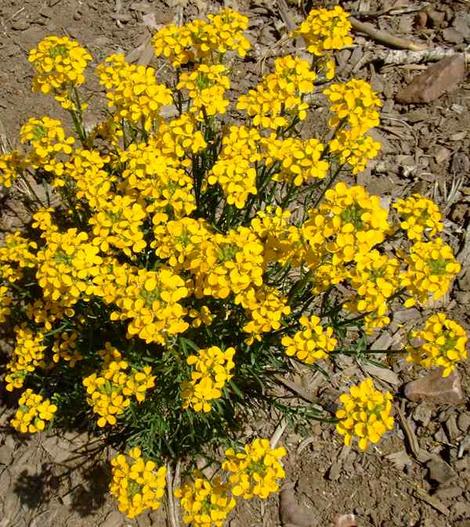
(435, 388)
(436, 80)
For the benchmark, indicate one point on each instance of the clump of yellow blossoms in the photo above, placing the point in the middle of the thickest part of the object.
(205, 503)
(110, 392)
(33, 413)
(255, 471)
(211, 370)
(431, 268)
(364, 414)
(326, 30)
(59, 64)
(312, 343)
(441, 343)
(137, 483)
(212, 248)
(420, 216)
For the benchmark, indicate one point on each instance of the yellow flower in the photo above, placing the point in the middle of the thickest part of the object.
(211, 370)
(205, 503)
(311, 343)
(364, 414)
(206, 86)
(420, 216)
(256, 471)
(325, 29)
(137, 483)
(441, 343)
(110, 391)
(265, 307)
(279, 95)
(11, 164)
(355, 103)
(300, 160)
(59, 64)
(353, 149)
(200, 41)
(431, 268)
(33, 413)
(133, 91)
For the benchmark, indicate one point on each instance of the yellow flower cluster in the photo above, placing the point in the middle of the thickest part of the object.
(137, 483)
(59, 64)
(16, 254)
(235, 168)
(5, 302)
(325, 29)
(206, 87)
(110, 392)
(300, 160)
(431, 268)
(211, 370)
(28, 355)
(118, 223)
(256, 471)
(280, 95)
(228, 263)
(200, 41)
(265, 306)
(420, 216)
(86, 169)
(364, 414)
(133, 91)
(205, 503)
(179, 136)
(150, 299)
(349, 222)
(355, 103)
(441, 343)
(311, 343)
(159, 179)
(65, 348)
(11, 164)
(375, 278)
(353, 149)
(179, 240)
(67, 266)
(33, 413)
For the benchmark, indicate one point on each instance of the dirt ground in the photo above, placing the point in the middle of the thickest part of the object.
(61, 481)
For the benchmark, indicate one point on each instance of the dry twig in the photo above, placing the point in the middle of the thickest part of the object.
(384, 37)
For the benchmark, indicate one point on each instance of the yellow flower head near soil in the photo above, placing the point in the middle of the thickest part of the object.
(138, 484)
(212, 369)
(364, 414)
(325, 29)
(33, 413)
(311, 343)
(256, 470)
(205, 503)
(420, 217)
(440, 344)
(111, 391)
(59, 64)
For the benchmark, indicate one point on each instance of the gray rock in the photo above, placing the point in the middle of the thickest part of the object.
(452, 35)
(463, 422)
(451, 427)
(435, 388)
(422, 414)
(448, 493)
(439, 470)
(461, 509)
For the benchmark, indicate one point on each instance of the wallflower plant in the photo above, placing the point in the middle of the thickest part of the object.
(199, 247)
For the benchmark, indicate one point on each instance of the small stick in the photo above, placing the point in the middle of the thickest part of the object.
(172, 518)
(278, 432)
(386, 38)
